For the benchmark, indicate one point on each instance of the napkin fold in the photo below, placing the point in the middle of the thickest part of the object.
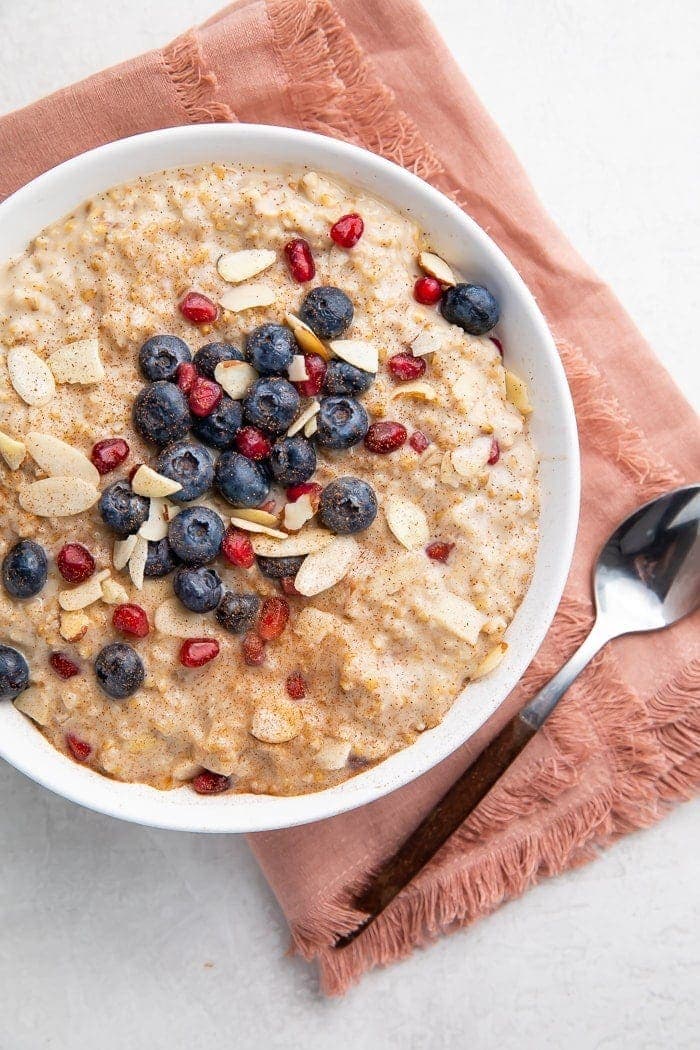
(624, 746)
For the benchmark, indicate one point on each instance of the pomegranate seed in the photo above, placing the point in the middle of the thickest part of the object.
(186, 375)
(78, 748)
(427, 290)
(499, 344)
(288, 587)
(309, 488)
(196, 652)
(63, 665)
(300, 260)
(273, 618)
(108, 454)
(269, 505)
(406, 366)
(131, 619)
(252, 443)
(316, 371)
(296, 685)
(253, 649)
(385, 436)
(208, 783)
(237, 549)
(198, 309)
(347, 230)
(439, 551)
(75, 563)
(495, 453)
(418, 441)
(204, 396)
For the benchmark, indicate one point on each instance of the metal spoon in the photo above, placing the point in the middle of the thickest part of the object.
(647, 577)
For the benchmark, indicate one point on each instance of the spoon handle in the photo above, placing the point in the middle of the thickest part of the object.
(539, 708)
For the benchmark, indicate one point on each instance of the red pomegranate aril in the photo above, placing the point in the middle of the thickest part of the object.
(300, 260)
(208, 783)
(186, 375)
(198, 309)
(253, 649)
(385, 436)
(427, 290)
(131, 619)
(107, 455)
(237, 549)
(498, 344)
(312, 489)
(62, 664)
(196, 652)
(78, 748)
(418, 441)
(75, 563)
(296, 685)
(204, 396)
(347, 231)
(288, 586)
(273, 618)
(494, 454)
(406, 366)
(252, 443)
(439, 550)
(316, 371)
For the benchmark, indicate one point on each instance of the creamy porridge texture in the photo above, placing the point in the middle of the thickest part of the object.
(146, 633)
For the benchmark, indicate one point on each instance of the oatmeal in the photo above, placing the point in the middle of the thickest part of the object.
(269, 494)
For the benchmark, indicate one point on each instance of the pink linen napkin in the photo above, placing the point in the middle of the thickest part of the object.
(624, 746)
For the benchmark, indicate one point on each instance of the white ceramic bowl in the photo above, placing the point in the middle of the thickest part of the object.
(530, 352)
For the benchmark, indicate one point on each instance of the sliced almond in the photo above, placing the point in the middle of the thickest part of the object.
(13, 452)
(73, 625)
(78, 362)
(255, 526)
(297, 514)
(59, 459)
(172, 619)
(262, 517)
(297, 370)
(113, 593)
(428, 341)
(247, 297)
(333, 755)
(491, 660)
(307, 339)
(137, 562)
(306, 542)
(276, 723)
(123, 549)
(155, 527)
(418, 390)
(235, 377)
(311, 427)
(148, 482)
(235, 267)
(84, 594)
(300, 422)
(407, 522)
(457, 615)
(357, 352)
(517, 393)
(30, 376)
(58, 497)
(436, 267)
(468, 460)
(326, 567)
(35, 703)
(448, 474)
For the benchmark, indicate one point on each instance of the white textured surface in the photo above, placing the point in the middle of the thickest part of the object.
(121, 937)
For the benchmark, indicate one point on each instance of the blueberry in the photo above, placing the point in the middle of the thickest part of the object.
(160, 355)
(161, 413)
(195, 535)
(198, 589)
(271, 404)
(14, 673)
(280, 568)
(344, 378)
(240, 480)
(471, 306)
(208, 357)
(292, 460)
(24, 569)
(237, 611)
(341, 422)
(269, 349)
(219, 428)
(190, 464)
(327, 311)
(347, 505)
(119, 670)
(160, 559)
(121, 509)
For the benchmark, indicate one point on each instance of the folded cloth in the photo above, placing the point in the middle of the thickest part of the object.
(624, 745)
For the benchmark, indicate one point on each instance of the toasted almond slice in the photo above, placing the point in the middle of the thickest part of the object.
(306, 542)
(137, 562)
(155, 527)
(57, 458)
(113, 593)
(123, 549)
(262, 517)
(58, 497)
(247, 297)
(407, 522)
(73, 625)
(448, 474)
(428, 341)
(255, 526)
(333, 754)
(235, 267)
(311, 427)
(491, 660)
(326, 567)
(300, 422)
(418, 390)
(517, 393)
(172, 619)
(457, 615)
(298, 513)
(468, 460)
(78, 362)
(147, 482)
(436, 267)
(357, 352)
(277, 722)
(30, 376)
(297, 370)
(13, 452)
(35, 703)
(235, 377)
(84, 594)
(307, 339)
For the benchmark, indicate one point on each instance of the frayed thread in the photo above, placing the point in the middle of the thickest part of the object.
(195, 85)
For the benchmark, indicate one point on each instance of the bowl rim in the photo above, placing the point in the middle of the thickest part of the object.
(266, 812)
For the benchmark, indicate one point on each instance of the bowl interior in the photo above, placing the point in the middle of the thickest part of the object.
(531, 353)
